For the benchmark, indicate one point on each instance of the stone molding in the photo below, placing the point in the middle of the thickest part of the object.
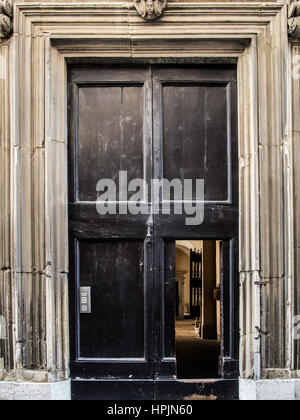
(47, 36)
(6, 13)
(294, 19)
(150, 9)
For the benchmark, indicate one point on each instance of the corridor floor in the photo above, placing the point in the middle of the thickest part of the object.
(196, 358)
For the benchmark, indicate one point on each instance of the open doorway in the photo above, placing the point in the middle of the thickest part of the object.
(198, 309)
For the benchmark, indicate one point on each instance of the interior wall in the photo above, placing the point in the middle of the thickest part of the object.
(211, 251)
(183, 249)
(183, 265)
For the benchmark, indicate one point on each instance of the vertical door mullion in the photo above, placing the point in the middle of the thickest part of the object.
(164, 257)
(158, 242)
(149, 246)
(229, 321)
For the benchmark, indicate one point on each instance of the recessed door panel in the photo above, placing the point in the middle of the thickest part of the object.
(196, 143)
(110, 135)
(195, 138)
(115, 328)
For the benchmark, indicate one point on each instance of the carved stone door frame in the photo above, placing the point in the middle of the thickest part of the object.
(48, 35)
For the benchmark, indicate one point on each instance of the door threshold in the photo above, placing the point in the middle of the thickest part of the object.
(112, 389)
(215, 389)
(197, 381)
(159, 389)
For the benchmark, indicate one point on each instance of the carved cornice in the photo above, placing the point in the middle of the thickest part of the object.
(6, 13)
(294, 19)
(150, 9)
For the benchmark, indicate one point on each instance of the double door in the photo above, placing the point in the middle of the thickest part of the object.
(129, 128)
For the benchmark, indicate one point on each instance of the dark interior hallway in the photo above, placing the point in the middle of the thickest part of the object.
(196, 358)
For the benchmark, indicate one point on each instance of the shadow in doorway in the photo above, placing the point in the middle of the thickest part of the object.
(196, 358)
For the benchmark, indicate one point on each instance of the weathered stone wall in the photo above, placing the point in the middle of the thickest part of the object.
(6, 287)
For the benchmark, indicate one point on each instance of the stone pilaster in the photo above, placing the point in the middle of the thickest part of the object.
(295, 58)
(7, 313)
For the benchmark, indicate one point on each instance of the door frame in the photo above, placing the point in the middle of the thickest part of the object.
(253, 35)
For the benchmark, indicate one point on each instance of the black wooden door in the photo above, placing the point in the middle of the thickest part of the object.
(195, 137)
(152, 122)
(110, 131)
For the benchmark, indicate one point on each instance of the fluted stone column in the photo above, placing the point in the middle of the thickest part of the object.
(295, 59)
